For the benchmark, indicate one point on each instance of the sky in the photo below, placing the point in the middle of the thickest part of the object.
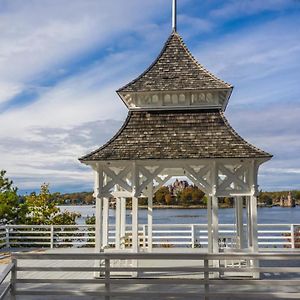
(61, 62)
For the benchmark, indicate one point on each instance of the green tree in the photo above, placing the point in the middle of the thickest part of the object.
(11, 211)
(160, 195)
(265, 198)
(41, 209)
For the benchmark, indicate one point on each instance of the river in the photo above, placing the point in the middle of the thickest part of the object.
(266, 215)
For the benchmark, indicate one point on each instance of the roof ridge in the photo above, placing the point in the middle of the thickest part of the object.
(197, 62)
(234, 132)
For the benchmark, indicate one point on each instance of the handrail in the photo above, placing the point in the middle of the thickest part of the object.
(203, 280)
(279, 236)
(8, 269)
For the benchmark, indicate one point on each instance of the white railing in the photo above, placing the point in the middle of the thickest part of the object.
(270, 236)
(3, 240)
(5, 286)
(196, 275)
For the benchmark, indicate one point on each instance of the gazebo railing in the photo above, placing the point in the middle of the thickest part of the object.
(270, 236)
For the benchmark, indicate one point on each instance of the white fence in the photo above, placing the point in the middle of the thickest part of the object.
(198, 279)
(3, 235)
(275, 236)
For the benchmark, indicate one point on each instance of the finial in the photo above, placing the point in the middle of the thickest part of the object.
(174, 16)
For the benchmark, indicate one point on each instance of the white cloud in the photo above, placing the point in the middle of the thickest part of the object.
(42, 139)
(38, 37)
(262, 69)
(237, 8)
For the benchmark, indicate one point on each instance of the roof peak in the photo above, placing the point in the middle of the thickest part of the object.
(175, 68)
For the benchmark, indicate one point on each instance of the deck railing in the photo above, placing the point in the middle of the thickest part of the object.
(5, 285)
(270, 236)
(197, 275)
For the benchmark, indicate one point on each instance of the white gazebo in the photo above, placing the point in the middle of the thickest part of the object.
(176, 127)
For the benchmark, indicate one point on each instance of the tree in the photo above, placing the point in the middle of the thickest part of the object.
(168, 199)
(197, 195)
(11, 211)
(265, 198)
(41, 209)
(160, 195)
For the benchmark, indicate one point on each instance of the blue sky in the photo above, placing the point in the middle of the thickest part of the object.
(61, 62)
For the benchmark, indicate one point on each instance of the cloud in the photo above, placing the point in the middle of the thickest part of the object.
(236, 8)
(246, 55)
(53, 156)
(39, 38)
(274, 129)
(59, 69)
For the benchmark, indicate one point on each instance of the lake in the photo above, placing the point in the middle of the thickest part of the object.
(266, 215)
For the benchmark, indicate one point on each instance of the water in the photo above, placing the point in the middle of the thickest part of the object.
(266, 215)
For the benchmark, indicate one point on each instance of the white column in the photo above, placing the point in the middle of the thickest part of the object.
(249, 222)
(123, 222)
(98, 214)
(215, 207)
(253, 213)
(150, 216)
(209, 225)
(135, 234)
(215, 224)
(253, 204)
(254, 234)
(105, 221)
(118, 224)
(135, 225)
(239, 222)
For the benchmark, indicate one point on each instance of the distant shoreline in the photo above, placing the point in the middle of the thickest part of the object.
(222, 206)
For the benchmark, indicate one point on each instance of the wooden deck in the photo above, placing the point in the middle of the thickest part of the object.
(59, 280)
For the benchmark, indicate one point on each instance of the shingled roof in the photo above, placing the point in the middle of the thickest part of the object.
(175, 69)
(178, 134)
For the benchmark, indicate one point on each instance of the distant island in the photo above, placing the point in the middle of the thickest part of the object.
(181, 194)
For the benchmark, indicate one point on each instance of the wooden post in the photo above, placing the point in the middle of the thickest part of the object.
(292, 236)
(13, 279)
(134, 216)
(239, 222)
(193, 236)
(7, 244)
(150, 216)
(105, 222)
(254, 233)
(135, 224)
(99, 204)
(206, 279)
(253, 213)
(51, 236)
(107, 279)
(215, 224)
(249, 222)
(209, 225)
(118, 224)
(123, 222)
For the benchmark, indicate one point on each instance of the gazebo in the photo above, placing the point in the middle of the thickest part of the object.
(176, 127)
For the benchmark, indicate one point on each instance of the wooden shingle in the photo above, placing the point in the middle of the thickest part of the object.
(175, 69)
(180, 134)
